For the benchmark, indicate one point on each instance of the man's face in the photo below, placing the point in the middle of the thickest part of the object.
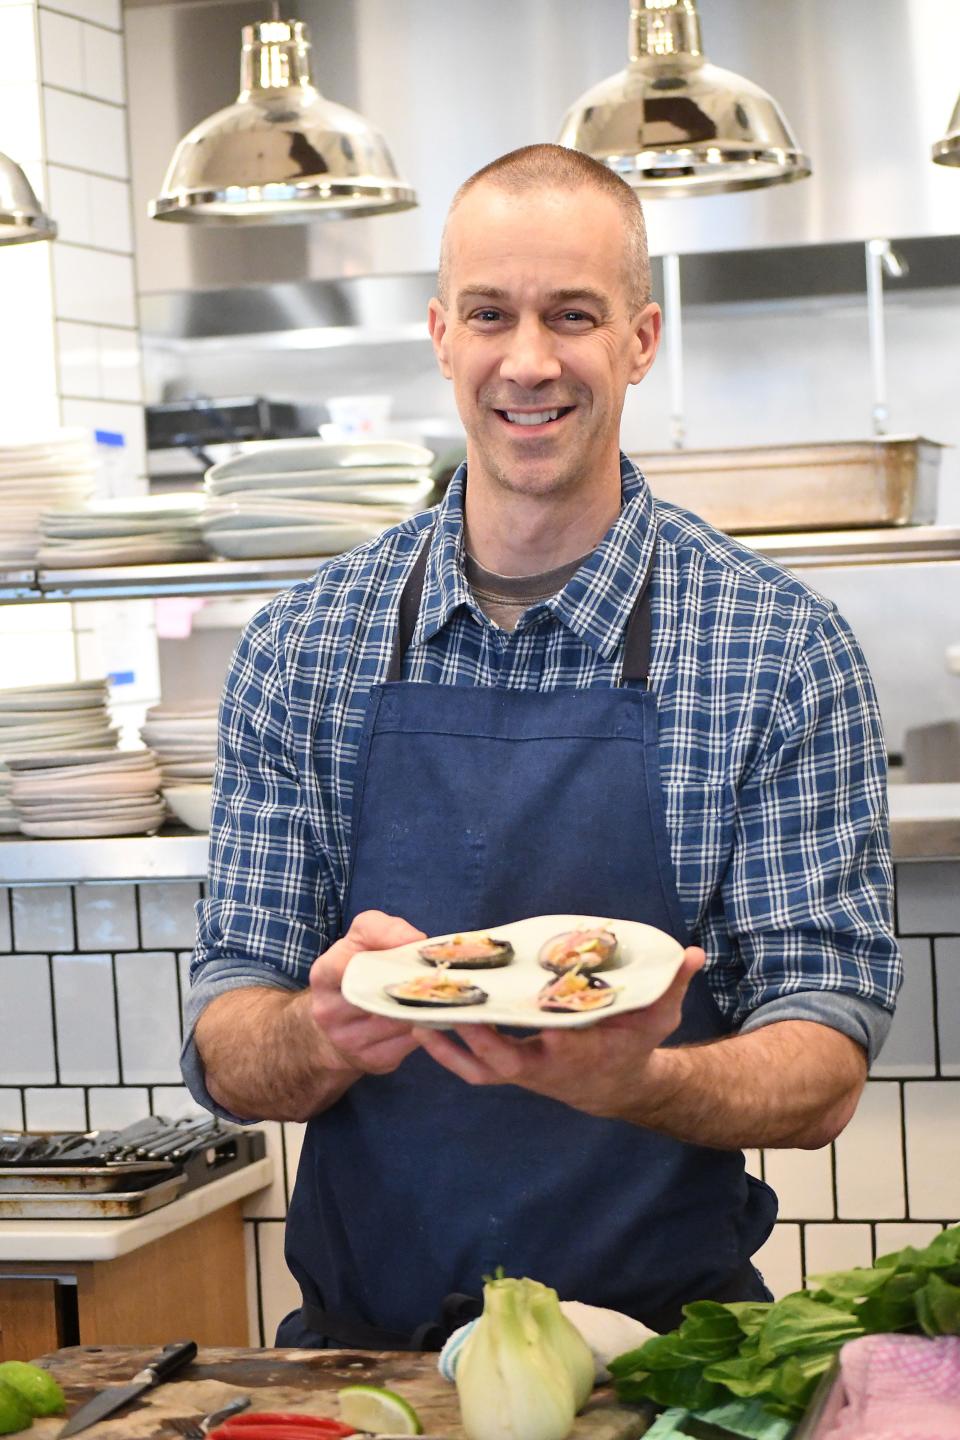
(539, 336)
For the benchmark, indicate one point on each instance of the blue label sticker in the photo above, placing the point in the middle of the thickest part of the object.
(109, 437)
(122, 677)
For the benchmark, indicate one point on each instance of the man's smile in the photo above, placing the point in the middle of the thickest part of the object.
(528, 424)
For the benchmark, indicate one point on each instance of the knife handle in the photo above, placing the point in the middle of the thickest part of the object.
(173, 1358)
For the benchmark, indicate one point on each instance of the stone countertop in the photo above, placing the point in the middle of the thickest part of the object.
(45, 1240)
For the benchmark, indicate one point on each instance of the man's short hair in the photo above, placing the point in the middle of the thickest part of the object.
(555, 167)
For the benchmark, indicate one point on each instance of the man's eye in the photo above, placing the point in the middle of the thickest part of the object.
(575, 317)
(487, 317)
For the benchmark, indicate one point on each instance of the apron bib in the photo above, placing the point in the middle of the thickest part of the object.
(473, 807)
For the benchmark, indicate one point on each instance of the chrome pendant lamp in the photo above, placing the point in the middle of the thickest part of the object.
(21, 215)
(947, 150)
(673, 125)
(281, 153)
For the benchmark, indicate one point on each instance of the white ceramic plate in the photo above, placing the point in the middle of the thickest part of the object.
(333, 482)
(273, 543)
(64, 763)
(647, 961)
(269, 457)
(146, 550)
(47, 700)
(91, 829)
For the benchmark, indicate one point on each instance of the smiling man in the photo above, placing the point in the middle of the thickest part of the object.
(549, 695)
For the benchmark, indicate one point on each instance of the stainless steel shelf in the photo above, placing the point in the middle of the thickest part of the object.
(172, 856)
(896, 545)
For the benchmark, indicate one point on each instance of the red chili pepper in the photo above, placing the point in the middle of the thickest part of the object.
(275, 1432)
(278, 1417)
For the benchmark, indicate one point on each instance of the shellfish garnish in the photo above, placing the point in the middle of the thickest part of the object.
(468, 952)
(438, 990)
(584, 950)
(576, 992)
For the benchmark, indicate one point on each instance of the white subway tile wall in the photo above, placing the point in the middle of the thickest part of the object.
(106, 917)
(947, 961)
(888, 1181)
(148, 1012)
(869, 1158)
(83, 998)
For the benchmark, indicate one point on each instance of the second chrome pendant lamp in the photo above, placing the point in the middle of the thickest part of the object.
(281, 153)
(671, 124)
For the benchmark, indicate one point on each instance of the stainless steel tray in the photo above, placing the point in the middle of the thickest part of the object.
(890, 480)
(86, 1179)
(66, 1205)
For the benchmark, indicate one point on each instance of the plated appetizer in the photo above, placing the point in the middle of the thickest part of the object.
(468, 952)
(576, 992)
(435, 990)
(584, 950)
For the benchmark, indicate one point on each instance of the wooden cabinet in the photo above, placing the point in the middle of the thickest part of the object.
(190, 1284)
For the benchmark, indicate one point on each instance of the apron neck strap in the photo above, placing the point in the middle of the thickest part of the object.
(637, 644)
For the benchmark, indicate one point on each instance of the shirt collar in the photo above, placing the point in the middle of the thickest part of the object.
(596, 602)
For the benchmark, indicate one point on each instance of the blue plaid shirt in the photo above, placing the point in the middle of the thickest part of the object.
(771, 753)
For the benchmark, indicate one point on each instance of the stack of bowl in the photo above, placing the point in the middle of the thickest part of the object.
(45, 719)
(184, 738)
(87, 793)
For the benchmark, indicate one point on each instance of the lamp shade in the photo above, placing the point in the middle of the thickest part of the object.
(281, 153)
(947, 150)
(671, 124)
(21, 214)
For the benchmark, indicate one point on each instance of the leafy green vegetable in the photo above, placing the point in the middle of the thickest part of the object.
(776, 1353)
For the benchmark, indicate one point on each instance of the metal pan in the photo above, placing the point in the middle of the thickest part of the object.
(83, 1179)
(68, 1206)
(890, 480)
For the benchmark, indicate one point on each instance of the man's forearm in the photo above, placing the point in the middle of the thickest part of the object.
(264, 1058)
(793, 1083)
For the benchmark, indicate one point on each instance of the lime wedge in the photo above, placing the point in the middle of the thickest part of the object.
(381, 1411)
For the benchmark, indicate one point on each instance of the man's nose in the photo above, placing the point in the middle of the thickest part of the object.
(530, 357)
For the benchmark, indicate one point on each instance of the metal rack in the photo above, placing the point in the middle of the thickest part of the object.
(896, 545)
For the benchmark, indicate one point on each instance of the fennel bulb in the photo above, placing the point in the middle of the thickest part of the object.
(522, 1372)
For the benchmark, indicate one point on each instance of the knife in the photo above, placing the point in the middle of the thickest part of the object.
(172, 1359)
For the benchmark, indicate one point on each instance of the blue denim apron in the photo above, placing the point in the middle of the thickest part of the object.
(475, 806)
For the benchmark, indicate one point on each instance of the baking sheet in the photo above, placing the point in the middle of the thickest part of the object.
(646, 963)
(115, 1205)
(83, 1179)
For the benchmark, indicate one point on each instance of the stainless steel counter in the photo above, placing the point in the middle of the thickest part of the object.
(924, 822)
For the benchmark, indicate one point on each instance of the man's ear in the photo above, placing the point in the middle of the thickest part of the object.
(646, 340)
(437, 325)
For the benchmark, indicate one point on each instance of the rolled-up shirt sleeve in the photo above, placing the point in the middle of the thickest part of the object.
(808, 893)
(265, 917)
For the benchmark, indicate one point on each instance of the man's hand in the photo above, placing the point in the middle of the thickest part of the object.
(271, 1054)
(591, 1069)
(355, 1040)
(788, 1083)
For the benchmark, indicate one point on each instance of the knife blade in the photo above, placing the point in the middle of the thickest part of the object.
(168, 1362)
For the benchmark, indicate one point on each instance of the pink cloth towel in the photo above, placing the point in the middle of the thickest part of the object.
(900, 1387)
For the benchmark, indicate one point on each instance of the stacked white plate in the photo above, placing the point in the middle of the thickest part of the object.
(311, 497)
(47, 718)
(84, 793)
(36, 476)
(184, 739)
(138, 530)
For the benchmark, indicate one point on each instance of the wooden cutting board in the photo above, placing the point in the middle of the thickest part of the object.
(290, 1380)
